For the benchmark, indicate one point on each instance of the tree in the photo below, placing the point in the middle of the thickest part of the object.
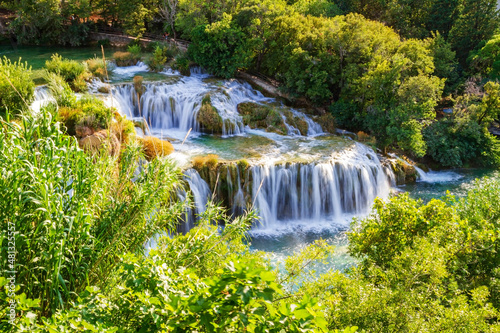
(490, 105)
(221, 47)
(476, 22)
(168, 11)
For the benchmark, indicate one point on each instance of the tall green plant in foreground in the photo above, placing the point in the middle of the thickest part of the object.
(16, 86)
(74, 213)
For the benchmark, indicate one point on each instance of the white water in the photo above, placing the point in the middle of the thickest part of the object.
(42, 98)
(199, 188)
(129, 71)
(347, 184)
(171, 108)
(437, 176)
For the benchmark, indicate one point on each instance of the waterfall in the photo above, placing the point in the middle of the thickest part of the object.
(346, 183)
(319, 190)
(172, 107)
(199, 188)
(42, 97)
(437, 176)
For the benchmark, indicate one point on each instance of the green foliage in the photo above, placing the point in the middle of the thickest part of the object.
(134, 50)
(73, 214)
(477, 22)
(317, 8)
(221, 47)
(423, 267)
(461, 142)
(183, 64)
(71, 71)
(16, 87)
(158, 59)
(98, 67)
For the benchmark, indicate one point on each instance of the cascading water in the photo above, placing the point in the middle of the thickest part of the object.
(199, 188)
(171, 108)
(42, 97)
(344, 184)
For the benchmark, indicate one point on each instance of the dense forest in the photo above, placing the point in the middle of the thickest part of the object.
(74, 223)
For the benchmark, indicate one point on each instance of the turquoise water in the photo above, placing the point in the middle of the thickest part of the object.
(286, 242)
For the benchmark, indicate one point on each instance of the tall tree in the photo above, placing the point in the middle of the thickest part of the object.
(168, 11)
(477, 21)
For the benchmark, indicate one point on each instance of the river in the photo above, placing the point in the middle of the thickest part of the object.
(305, 185)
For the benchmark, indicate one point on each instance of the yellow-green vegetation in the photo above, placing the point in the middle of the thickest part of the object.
(139, 88)
(264, 117)
(208, 118)
(87, 111)
(209, 160)
(154, 147)
(123, 128)
(125, 58)
(97, 67)
(327, 122)
(16, 86)
(162, 54)
(72, 71)
(103, 141)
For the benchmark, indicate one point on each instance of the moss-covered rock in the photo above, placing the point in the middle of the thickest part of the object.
(154, 147)
(404, 171)
(296, 122)
(210, 121)
(263, 117)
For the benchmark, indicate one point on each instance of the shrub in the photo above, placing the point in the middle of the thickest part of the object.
(88, 111)
(98, 67)
(123, 128)
(183, 65)
(69, 70)
(209, 160)
(158, 59)
(60, 89)
(73, 214)
(154, 147)
(459, 142)
(125, 58)
(16, 87)
(135, 50)
(327, 122)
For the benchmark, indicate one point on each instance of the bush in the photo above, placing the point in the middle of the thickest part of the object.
(183, 65)
(135, 50)
(73, 214)
(161, 55)
(60, 89)
(98, 67)
(458, 142)
(209, 160)
(16, 87)
(125, 58)
(69, 70)
(88, 112)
